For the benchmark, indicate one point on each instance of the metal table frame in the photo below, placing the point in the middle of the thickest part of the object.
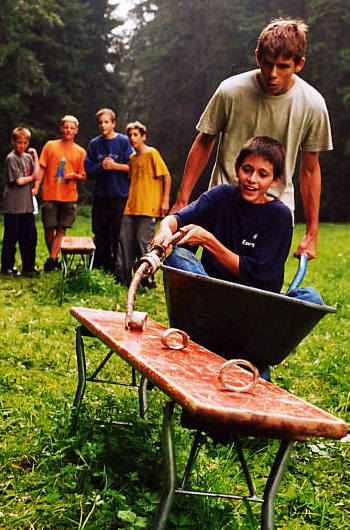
(168, 449)
(141, 387)
(275, 476)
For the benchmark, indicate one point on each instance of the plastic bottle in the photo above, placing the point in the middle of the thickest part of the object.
(60, 171)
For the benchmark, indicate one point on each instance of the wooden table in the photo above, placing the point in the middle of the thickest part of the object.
(189, 378)
(83, 247)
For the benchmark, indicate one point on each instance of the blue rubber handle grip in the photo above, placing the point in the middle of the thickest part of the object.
(298, 278)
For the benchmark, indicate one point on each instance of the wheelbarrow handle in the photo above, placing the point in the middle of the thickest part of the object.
(298, 278)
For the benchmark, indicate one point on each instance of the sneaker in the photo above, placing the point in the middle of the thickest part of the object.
(31, 273)
(58, 264)
(49, 265)
(11, 272)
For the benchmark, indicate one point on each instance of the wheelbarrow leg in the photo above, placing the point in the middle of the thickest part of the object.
(79, 394)
(169, 464)
(273, 481)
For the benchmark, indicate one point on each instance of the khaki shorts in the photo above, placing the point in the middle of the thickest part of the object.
(58, 213)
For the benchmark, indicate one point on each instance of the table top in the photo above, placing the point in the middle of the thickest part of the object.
(190, 378)
(77, 244)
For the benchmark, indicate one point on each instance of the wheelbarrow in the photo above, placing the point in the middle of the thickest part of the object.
(237, 321)
(230, 319)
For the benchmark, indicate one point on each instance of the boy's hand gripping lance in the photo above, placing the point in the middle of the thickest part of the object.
(147, 265)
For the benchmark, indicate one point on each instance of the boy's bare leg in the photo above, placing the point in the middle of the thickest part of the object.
(49, 237)
(57, 242)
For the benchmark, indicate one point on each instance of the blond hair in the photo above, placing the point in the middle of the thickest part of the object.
(69, 117)
(136, 125)
(20, 131)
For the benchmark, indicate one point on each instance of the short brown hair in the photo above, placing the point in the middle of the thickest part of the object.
(106, 111)
(20, 131)
(285, 37)
(136, 125)
(267, 148)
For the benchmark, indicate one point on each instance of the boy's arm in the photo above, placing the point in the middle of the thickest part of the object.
(22, 181)
(197, 160)
(79, 174)
(92, 165)
(75, 176)
(164, 207)
(109, 163)
(310, 187)
(38, 180)
(196, 235)
(33, 153)
(167, 228)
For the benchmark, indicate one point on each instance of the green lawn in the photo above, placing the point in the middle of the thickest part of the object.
(108, 477)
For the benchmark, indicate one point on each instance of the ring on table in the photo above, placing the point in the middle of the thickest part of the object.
(175, 339)
(239, 362)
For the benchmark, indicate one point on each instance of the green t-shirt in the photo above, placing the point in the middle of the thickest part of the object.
(239, 110)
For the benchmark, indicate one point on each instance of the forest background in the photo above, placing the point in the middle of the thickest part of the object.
(71, 57)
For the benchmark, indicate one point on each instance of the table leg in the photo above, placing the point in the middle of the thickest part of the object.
(143, 398)
(169, 464)
(65, 266)
(91, 260)
(80, 353)
(273, 481)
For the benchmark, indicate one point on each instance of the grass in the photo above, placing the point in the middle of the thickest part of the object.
(104, 477)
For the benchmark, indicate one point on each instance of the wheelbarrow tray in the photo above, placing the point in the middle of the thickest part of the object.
(236, 321)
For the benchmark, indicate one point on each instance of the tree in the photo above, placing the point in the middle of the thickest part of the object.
(21, 72)
(75, 56)
(56, 58)
(181, 51)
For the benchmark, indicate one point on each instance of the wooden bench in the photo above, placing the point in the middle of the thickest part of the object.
(83, 247)
(189, 378)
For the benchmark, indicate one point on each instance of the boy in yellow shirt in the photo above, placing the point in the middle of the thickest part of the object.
(150, 184)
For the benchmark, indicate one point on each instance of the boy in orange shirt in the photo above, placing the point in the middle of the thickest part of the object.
(61, 166)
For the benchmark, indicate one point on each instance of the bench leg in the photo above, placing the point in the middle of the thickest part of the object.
(143, 398)
(91, 259)
(79, 394)
(169, 463)
(273, 481)
(64, 265)
(192, 458)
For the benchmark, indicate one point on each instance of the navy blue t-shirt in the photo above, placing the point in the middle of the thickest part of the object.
(109, 183)
(260, 234)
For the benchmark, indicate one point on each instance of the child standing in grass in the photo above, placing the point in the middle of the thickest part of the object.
(107, 162)
(19, 225)
(61, 167)
(150, 184)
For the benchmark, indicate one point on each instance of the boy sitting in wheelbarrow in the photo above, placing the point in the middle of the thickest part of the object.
(245, 233)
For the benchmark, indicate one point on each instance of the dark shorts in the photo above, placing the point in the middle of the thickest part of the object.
(58, 213)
